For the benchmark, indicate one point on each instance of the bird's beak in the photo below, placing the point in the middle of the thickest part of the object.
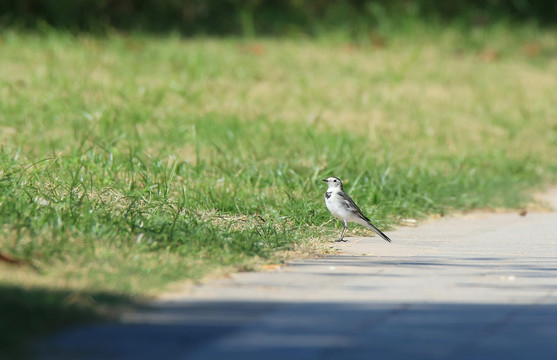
(324, 180)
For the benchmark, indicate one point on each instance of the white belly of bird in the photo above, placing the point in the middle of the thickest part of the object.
(336, 206)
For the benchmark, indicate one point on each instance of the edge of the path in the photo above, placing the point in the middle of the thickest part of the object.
(543, 201)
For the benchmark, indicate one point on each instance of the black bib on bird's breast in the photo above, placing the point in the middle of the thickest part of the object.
(328, 194)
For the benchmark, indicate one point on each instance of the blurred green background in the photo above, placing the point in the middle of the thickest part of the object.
(265, 17)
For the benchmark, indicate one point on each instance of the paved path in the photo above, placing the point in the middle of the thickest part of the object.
(477, 287)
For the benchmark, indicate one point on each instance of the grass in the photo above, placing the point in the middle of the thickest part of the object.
(131, 161)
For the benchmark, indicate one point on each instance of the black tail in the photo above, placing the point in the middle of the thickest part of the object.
(379, 232)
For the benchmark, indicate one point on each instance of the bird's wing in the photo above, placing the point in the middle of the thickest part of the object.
(351, 206)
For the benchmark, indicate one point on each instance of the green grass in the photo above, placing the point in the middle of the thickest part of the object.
(129, 162)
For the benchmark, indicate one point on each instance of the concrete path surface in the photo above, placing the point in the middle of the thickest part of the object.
(474, 287)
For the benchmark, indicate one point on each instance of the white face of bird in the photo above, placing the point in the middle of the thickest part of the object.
(333, 182)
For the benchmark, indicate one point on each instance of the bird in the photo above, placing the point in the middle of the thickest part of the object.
(345, 209)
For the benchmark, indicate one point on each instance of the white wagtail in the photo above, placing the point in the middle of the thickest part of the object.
(343, 208)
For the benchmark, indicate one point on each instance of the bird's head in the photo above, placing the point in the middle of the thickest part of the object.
(333, 182)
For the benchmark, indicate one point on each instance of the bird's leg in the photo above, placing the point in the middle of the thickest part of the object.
(343, 231)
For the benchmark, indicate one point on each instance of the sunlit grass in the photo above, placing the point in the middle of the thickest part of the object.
(131, 140)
